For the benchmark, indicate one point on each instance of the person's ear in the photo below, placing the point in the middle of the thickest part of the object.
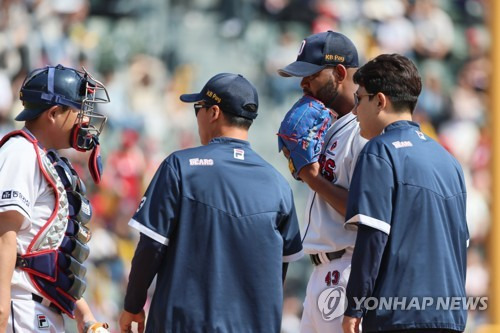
(340, 72)
(51, 113)
(381, 101)
(214, 113)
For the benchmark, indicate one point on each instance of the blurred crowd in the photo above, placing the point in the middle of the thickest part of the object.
(148, 52)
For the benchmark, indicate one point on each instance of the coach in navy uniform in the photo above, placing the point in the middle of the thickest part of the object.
(218, 225)
(408, 198)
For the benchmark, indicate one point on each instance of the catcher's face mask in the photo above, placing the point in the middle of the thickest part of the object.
(89, 123)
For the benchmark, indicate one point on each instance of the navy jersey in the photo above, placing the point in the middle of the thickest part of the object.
(409, 187)
(229, 222)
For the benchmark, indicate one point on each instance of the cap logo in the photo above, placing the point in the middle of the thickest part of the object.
(214, 96)
(301, 48)
(332, 57)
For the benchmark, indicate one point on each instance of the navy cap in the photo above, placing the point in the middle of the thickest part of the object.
(319, 51)
(232, 92)
(49, 86)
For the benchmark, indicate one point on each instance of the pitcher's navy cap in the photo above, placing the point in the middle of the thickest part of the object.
(232, 92)
(319, 51)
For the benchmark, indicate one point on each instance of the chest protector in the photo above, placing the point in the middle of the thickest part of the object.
(54, 258)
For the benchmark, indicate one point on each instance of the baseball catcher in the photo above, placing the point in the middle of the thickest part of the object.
(44, 211)
(302, 132)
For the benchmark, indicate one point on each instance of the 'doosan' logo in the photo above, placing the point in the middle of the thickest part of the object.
(332, 303)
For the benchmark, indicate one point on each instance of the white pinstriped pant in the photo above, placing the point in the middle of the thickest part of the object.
(323, 308)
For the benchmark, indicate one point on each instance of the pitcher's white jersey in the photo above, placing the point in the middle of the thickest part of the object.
(324, 225)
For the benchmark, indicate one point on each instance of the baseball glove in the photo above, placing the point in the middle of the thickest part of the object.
(303, 130)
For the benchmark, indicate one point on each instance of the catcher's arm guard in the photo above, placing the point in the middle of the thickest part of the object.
(92, 327)
(303, 130)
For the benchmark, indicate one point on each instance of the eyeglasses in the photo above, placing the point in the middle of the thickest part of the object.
(357, 98)
(198, 107)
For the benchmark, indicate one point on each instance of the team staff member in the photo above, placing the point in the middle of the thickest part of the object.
(217, 222)
(42, 205)
(408, 199)
(327, 62)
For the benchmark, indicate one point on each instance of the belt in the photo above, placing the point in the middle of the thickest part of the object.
(323, 258)
(43, 301)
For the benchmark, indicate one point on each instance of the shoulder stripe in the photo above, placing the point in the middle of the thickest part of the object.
(20, 208)
(370, 222)
(293, 257)
(148, 232)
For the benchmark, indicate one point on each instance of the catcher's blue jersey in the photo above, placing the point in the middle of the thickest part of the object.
(229, 221)
(409, 187)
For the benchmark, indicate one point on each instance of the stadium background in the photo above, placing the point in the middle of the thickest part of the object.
(148, 52)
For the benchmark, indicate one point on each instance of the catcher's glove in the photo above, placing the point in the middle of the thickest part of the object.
(91, 327)
(303, 130)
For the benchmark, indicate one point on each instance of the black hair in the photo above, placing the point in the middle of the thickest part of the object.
(238, 121)
(393, 75)
(42, 107)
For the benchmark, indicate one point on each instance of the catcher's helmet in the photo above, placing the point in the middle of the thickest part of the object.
(59, 85)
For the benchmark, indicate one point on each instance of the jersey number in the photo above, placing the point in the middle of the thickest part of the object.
(327, 167)
(332, 278)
